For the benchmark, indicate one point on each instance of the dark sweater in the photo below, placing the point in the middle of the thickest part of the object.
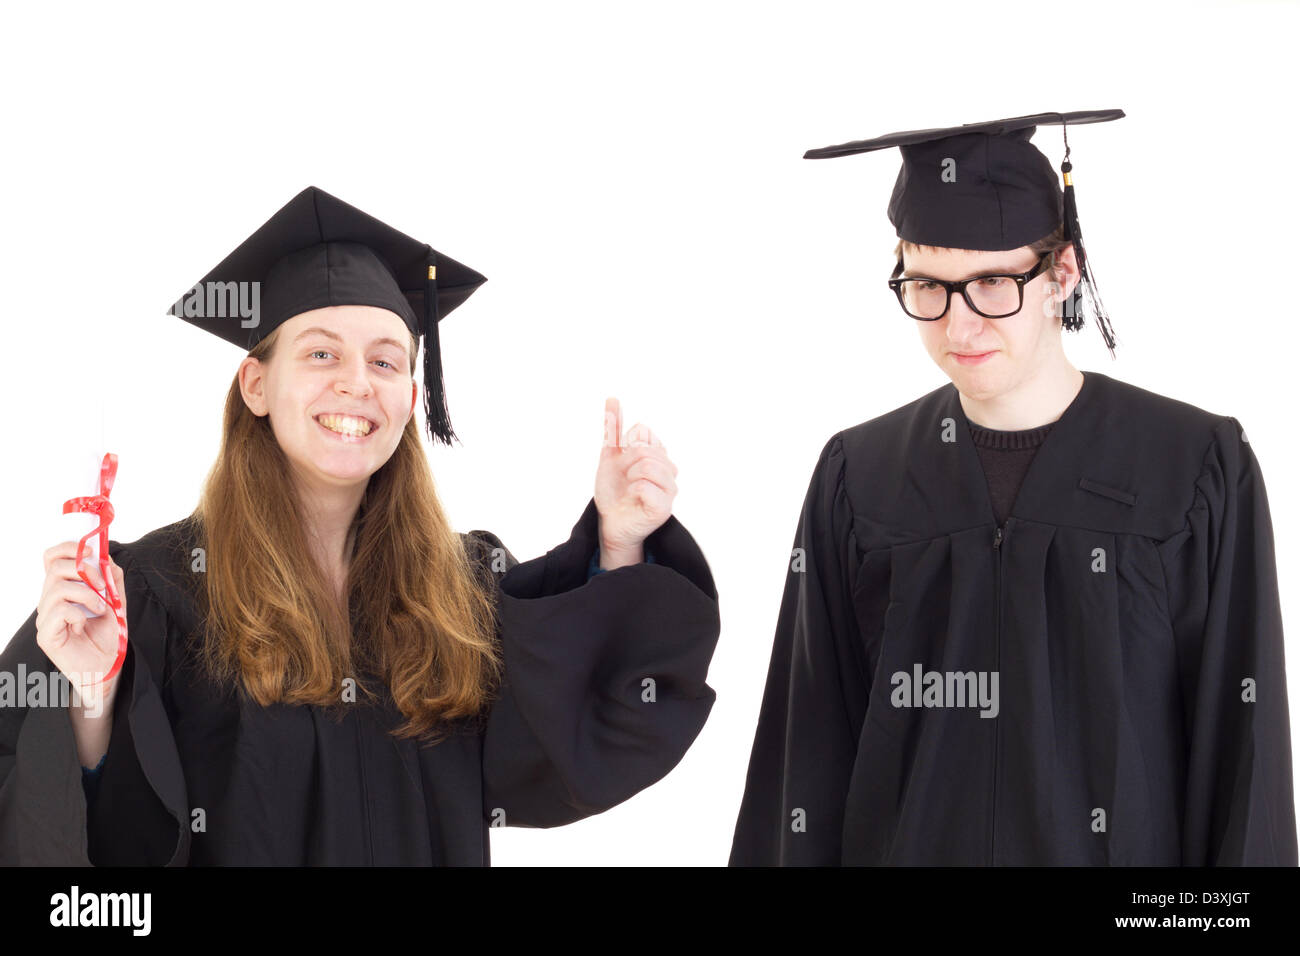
(1006, 457)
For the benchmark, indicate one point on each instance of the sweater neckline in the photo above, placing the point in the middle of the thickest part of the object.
(1005, 440)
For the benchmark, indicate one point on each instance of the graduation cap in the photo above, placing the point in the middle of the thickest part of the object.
(984, 186)
(318, 251)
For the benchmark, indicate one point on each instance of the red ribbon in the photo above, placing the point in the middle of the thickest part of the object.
(100, 505)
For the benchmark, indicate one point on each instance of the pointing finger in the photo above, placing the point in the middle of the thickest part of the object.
(613, 423)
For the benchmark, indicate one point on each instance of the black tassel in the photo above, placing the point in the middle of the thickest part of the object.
(1087, 284)
(435, 402)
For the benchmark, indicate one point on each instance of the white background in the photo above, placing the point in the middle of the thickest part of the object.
(630, 179)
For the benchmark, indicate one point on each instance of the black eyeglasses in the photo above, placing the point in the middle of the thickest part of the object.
(992, 296)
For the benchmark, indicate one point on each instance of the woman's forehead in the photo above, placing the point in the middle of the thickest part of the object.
(358, 322)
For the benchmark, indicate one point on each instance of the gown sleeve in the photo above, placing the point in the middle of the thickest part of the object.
(1239, 808)
(137, 816)
(814, 703)
(604, 681)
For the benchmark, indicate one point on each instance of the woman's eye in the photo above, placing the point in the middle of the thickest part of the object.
(327, 353)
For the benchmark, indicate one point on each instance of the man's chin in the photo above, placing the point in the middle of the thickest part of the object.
(979, 382)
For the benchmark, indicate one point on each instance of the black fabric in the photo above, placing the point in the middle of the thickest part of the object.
(91, 775)
(318, 251)
(1005, 456)
(1123, 602)
(330, 273)
(569, 735)
(979, 186)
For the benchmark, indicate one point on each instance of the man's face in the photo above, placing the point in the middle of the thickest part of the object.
(1015, 346)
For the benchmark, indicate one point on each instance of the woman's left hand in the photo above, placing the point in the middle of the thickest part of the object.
(635, 487)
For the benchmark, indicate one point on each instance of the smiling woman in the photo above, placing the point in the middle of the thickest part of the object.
(312, 510)
(320, 670)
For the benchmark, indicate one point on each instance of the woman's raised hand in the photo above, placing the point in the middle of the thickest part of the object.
(635, 487)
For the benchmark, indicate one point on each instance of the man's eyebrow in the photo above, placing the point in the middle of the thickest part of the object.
(315, 330)
(991, 271)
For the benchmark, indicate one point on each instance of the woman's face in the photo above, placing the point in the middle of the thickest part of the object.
(339, 391)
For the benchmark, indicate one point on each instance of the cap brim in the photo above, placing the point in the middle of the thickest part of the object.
(993, 127)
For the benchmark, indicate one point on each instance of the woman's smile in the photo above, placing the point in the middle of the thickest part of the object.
(346, 428)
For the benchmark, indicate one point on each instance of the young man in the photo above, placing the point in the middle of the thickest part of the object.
(1031, 617)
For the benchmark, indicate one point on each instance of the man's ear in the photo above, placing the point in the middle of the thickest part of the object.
(252, 385)
(1068, 267)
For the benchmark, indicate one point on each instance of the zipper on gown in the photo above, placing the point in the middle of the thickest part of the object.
(999, 536)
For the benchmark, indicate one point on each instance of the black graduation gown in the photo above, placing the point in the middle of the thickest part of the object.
(1125, 600)
(569, 736)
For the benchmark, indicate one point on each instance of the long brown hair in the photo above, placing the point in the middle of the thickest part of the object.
(420, 614)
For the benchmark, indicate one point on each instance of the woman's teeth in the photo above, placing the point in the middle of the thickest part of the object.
(345, 425)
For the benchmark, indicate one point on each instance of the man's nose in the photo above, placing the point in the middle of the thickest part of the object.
(963, 321)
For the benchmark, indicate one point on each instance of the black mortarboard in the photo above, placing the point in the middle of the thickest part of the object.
(318, 251)
(984, 186)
